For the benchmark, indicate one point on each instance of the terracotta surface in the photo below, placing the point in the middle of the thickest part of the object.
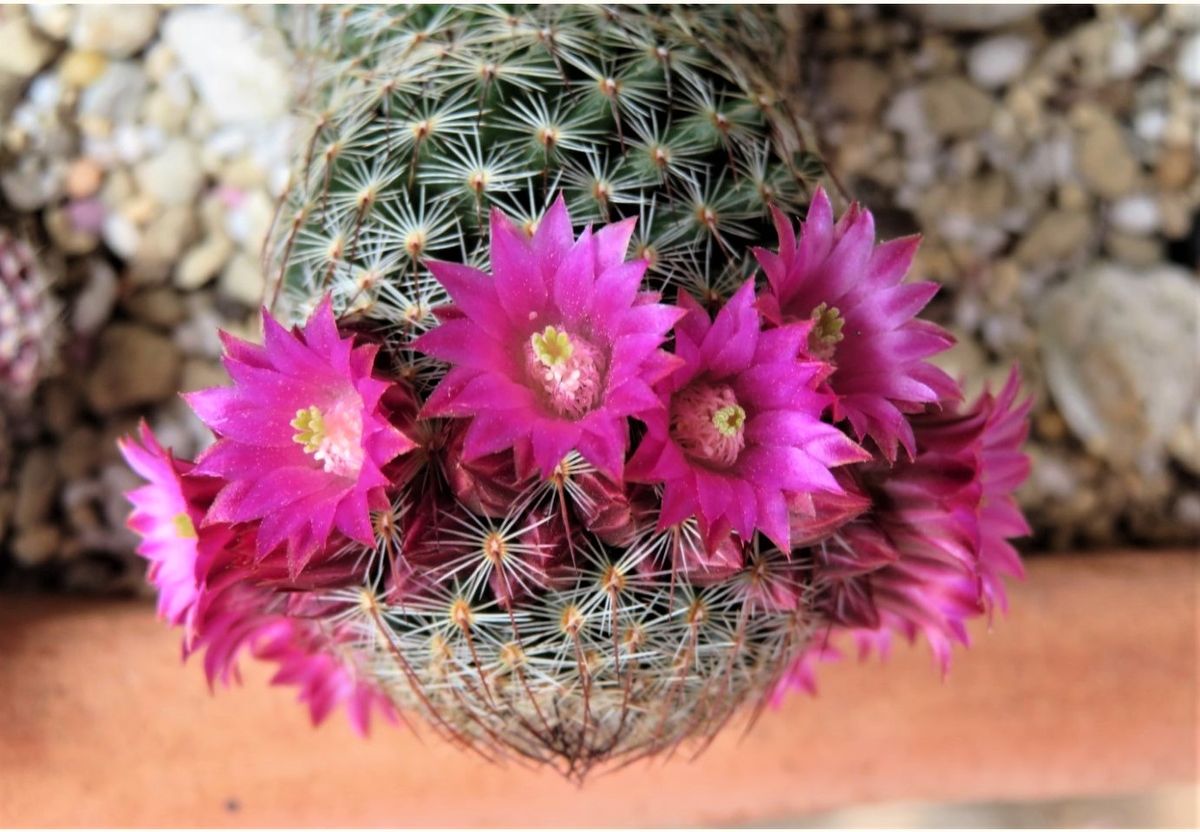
(1088, 687)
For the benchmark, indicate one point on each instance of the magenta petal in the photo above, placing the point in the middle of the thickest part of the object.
(553, 238)
(474, 292)
(520, 285)
(612, 242)
(551, 442)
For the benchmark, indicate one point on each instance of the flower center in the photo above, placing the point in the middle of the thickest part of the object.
(708, 424)
(826, 331)
(183, 525)
(567, 369)
(333, 437)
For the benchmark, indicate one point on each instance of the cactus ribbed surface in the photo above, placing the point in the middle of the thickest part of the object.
(28, 319)
(423, 120)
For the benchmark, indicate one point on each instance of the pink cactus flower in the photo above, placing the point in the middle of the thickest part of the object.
(933, 551)
(302, 437)
(740, 427)
(862, 319)
(167, 512)
(556, 349)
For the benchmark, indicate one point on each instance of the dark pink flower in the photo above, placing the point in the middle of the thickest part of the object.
(302, 438)
(250, 604)
(932, 552)
(863, 318)
(740, 427)
(614, 512)
(555, 349)
(487, 485)
(166, 514)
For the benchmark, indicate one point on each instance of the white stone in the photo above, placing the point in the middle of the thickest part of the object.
(1119, 353)
(172, 176)
(1188, 61)
(94, 305)
(121, 235)
(1124, 54)
(24, 50)
(994, 62)
(243, 280)
(226, 62)
(249, 222)
(202, 262)
(53, 19)
(116, 30)
(116, 96)
(1137, 214)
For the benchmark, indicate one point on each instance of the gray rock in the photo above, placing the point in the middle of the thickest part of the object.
(955, 107)
(159, 307)
(1056, 236)
(243, 280)
(116, 96)
(137, 367)
(1106, 163)
(173, 176)
(1119, 349)
(94, 305)
(202, 262)
(37, 483)
(36, 545)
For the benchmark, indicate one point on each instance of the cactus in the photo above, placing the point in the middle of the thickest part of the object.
(425, 118)
(481, 482)
(28, 320)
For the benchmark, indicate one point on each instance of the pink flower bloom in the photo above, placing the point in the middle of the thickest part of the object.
(933, 551)
(1004, 468)
(555, 349)
(302, 438)
(740, 428)
(863, 318)
(311, 656)
(166, 514)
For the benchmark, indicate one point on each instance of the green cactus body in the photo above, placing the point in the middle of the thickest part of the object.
(423, 120)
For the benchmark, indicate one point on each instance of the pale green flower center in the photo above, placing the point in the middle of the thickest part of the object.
(827, 330)
(183, 525)
(310, 426)
(552, 347)
(333, 437)
(729, 420)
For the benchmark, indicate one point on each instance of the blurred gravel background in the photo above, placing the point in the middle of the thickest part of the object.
(1048, 154)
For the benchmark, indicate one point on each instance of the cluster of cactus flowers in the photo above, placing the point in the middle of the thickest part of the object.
(556, 459)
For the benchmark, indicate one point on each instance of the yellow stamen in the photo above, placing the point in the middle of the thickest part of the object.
(729, 420)
(552, 348)
(828, 327)
(311, 426)
(183, 525)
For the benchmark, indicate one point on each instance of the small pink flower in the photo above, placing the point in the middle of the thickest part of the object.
(862, 318)
(302, 437)
(555, 349)
(166, 514)
(933, 550)
(740, 427)
(487, 485)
